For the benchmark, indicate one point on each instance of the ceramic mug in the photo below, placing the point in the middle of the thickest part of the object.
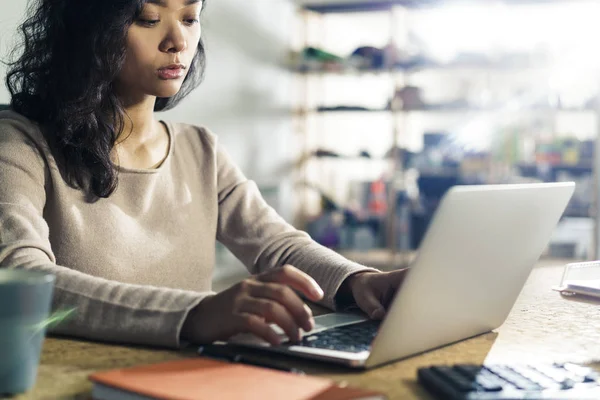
(25, 301)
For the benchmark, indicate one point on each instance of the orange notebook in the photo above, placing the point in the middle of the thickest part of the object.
(204, 378)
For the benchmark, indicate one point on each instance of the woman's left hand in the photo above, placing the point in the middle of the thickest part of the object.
(373, 291)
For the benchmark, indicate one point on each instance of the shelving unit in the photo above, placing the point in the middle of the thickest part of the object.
(399, 75)
(302, 113)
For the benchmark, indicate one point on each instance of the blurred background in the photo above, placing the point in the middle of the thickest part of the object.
(400, 100)
(355, 117)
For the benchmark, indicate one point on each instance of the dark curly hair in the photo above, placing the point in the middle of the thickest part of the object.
(72, 52)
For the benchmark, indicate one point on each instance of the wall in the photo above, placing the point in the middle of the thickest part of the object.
(10, 17)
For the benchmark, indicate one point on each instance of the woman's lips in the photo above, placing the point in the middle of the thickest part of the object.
(171, 73)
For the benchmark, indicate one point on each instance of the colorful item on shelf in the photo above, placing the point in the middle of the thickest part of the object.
(321, 55)
(368, 57)
(407, 98)
(378, 198)
(315, 59)
(570, 151)
(586, 152)
(402, 156)
(565, 152)
(403, 216)
(342, 108)
(320, 153)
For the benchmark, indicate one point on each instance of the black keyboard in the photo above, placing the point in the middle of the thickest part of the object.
(497, 382)
(351, 338)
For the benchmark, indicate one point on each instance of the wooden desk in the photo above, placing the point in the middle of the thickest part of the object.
(543, 326)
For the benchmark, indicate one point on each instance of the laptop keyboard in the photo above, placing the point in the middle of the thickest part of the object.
(351, 338)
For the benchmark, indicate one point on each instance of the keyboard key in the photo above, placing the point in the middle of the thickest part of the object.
(587, 374)
(514, 378)
(558, 375)
(484, 379)
(455, 378)
(488, 385)
(489, 382)
(469, 370)
(535, 376)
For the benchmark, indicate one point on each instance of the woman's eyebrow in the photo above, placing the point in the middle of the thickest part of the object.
(162, 3)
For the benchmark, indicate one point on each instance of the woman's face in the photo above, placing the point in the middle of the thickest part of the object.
(161, 45)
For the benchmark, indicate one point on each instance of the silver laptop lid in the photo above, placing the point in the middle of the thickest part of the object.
(473, 262)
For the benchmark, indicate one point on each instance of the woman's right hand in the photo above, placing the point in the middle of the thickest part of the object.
(251, 305)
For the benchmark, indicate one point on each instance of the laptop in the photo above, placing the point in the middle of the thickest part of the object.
(472, 264)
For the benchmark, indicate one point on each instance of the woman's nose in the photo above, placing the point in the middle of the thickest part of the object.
(175, 41)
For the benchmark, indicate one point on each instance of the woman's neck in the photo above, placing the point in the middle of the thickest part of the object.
(139, 123)
(144, 142)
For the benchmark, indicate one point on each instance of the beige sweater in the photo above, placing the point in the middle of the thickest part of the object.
(135, 264)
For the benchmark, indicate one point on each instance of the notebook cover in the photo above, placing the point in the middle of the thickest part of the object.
(205, 378)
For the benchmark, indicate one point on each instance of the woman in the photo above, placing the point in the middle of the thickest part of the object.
(125, 209)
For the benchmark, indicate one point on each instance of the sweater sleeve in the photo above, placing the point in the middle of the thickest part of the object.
(261, 239)
(104, 310)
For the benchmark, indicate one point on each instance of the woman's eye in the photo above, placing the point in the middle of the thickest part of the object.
(148, 22)
(192, 21)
